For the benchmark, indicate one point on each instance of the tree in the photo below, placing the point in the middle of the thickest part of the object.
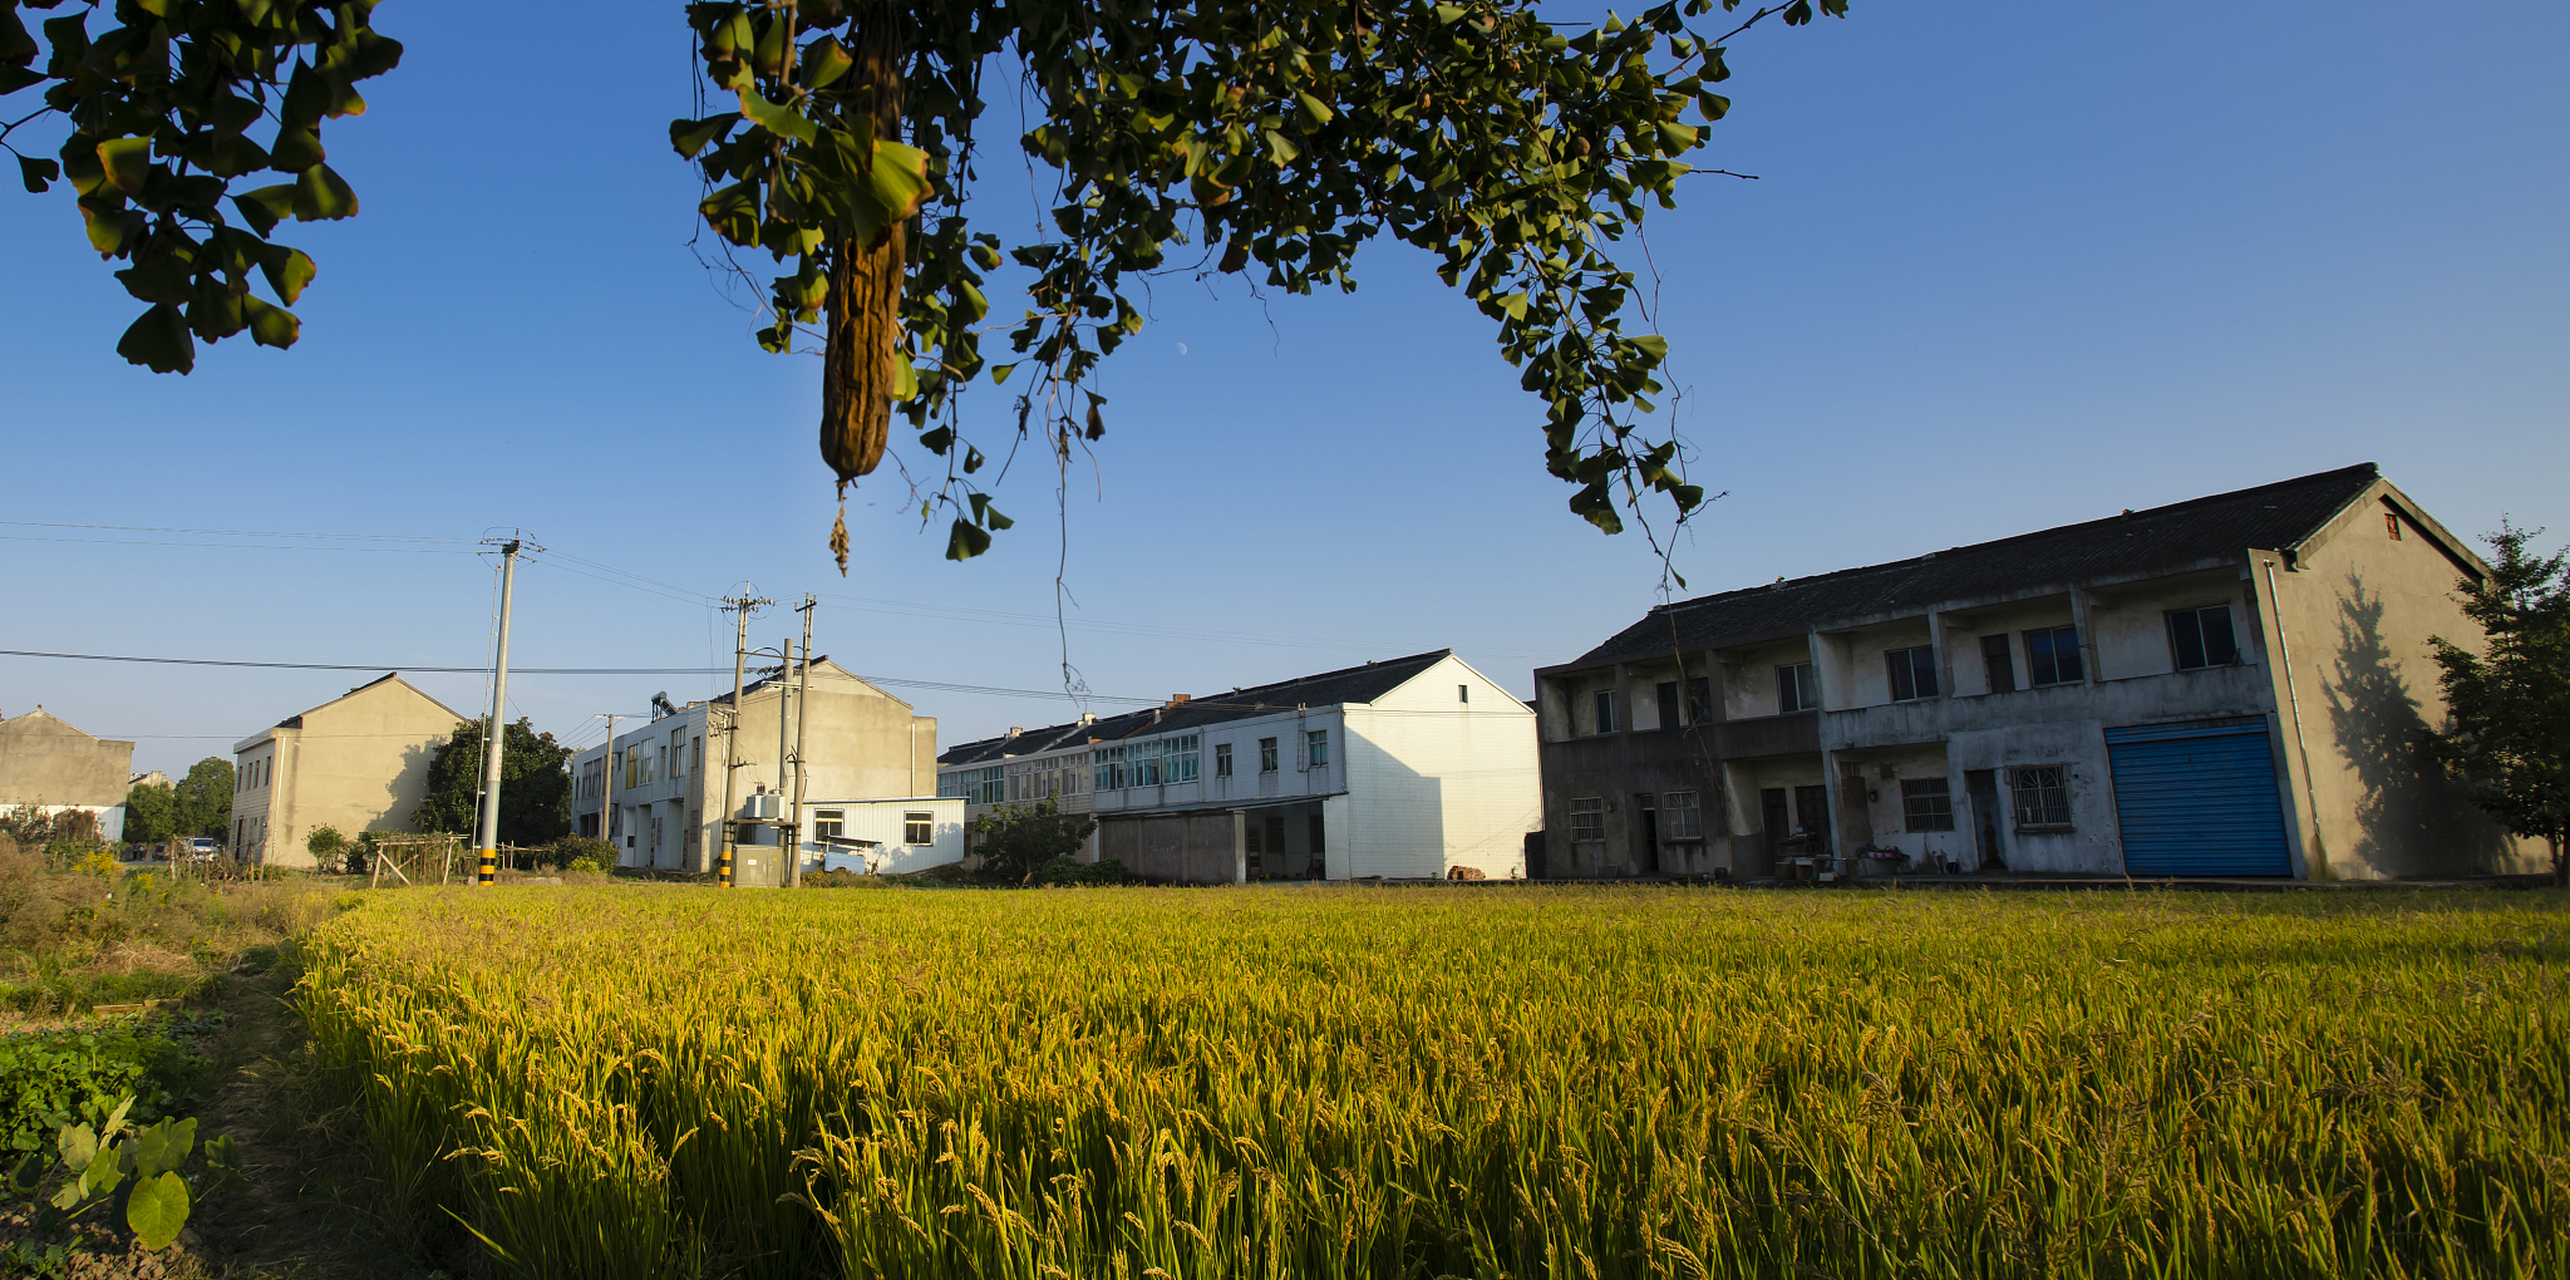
(535, 784)
(327, 844)
(2508, 708)
(1280, 133)
(201, 803)
(150, 810)
(1015, 840)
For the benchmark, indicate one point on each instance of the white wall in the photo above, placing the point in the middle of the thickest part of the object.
(1435, 781)
(882, 821)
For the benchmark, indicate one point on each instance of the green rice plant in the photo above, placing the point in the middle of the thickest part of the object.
(626, 1080)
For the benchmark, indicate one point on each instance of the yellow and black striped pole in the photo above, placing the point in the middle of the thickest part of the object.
(723, 865)
(495, 738)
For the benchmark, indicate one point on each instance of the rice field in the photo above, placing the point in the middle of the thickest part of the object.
(1575, 1083)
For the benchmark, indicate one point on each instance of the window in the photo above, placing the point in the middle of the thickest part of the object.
(2043, 795)
(1699, 699)
(633, 767)
(1680, 817)
(1927, 804)
(1106, 769)
(2052, 656)
(1267, 755)
(1222, 759)
(2000, 662)
(2391, 524)
(829, 824)
(696, 755)
(1606, 711)
(975, 786)
(2202, 637)
(1667, 695)
(1316, 749)
(1463, 694)
(678, 754)
(918, 828)
(1588, 818)
(1797, 688)
(1913, 672)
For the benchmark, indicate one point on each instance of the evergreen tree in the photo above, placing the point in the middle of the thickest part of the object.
(2508, 735)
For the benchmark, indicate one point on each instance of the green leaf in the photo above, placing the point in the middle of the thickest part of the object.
(128, 162)
(777, 119)
(1315, 111)
(288, 271)
(938, 440)
(693, 136)
(157, 1210)
(167, 1145)
(963, 542)
(297, 148)
(78, 1145)
(1000, 372)
(1449, 14)
(321, 195)
(1514, 304)
(265, 207)
(14, 78)
(37, 174)
(29, 1171)
(824, 61)
(158, 340)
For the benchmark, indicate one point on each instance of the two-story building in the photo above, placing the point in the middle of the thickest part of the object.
(861, 746)
(53, 768)
(1408, 768)
(2236, 685)
(358, 762)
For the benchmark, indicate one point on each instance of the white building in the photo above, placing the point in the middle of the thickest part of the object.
(1409, 768)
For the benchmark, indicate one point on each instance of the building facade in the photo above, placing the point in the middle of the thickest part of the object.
(1410, 768)
(358, 762)
(662, 806)
(2236, 685)
(48, 764)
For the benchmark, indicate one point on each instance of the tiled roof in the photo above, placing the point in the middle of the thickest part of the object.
(1328, 689)
(2271, 516)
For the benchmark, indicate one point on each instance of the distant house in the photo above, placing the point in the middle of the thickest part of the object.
(358, 762)
(860, 744)
(2236, 685)
(1408, 768)
(47, 763)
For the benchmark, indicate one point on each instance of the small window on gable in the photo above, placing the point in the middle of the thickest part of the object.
(2391, 524)
(1463, 694)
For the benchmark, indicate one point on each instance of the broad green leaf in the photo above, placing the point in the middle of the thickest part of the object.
(963, 541)
(824, 62)
(288, 271)
(116, 1118)
(692, 136)
(128, 162)
(37, 174)
(102, 1175)
(13, 78)
(1314, 110)
(265, 207)
(157, 1210)
(26, 1174)
(297, 148)
(1514, 304)
(166, 1145)
(159, 341)
(78, 1144)
(779, 120)
(321, 195)
(1000, 372)
(905, 380)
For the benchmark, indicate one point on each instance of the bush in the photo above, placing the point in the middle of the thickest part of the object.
(52, 1078)
(580, 853)
(1071, 871)
(1019, 841)
(327, 848)
(842, 878)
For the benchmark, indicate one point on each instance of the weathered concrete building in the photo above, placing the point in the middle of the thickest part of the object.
(1414, 767)
(358, 762)
(859, 743)
(54, 767)
(2236, 685)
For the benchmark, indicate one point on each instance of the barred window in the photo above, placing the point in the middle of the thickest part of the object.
(1588, 818)
(1927, 804)
(1681, 818)
(2043, 795)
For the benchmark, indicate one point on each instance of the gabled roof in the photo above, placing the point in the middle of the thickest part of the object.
(295, 721)
(2277, 516)
(818, 665)
(41, 722)
(1360, 684)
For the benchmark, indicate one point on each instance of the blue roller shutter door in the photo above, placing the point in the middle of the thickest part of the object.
(2196, 801)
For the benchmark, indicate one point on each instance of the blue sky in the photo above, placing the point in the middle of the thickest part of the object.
(2004, 267)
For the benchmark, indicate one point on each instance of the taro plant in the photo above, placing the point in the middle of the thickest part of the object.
(132, 1171)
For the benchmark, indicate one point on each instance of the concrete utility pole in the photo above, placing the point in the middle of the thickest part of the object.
(740, 607)
(607, 803)
(784, 695)
(496, 742)
(802, 714)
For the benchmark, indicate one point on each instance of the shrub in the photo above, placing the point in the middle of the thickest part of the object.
(580, 853)
(1017, 841)
(52, 1078)
(1071, 871)
(327, 847)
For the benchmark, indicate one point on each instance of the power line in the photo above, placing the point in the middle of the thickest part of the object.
(239, 533)
(236, 546)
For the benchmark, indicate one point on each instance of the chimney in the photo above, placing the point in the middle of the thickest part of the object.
(1177, 699)
(1014, 730)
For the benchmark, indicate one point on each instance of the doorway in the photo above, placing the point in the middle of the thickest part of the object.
(1982, 786)
(1646, 810)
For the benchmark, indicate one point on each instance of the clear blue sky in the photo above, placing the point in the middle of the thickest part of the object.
(2006, 266)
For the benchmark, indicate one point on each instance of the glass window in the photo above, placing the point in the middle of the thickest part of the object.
(1222, 759)
(678, 754)
(1797, 688)
(2042, 794)
(1588, 818)
(1605, 700)
(1316, 748)
(2052, 656)
(1913, 672)
(829, 824)
(2203, 637)
(1680, 817)
(918, 828)
(2000, 662)
(1463, 694)
(1267, 755)
(1927, 804)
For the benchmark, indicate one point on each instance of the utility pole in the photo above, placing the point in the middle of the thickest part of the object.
(607, 804)
(497, 740)
(740, 607)
(802, 715)
(784, 695)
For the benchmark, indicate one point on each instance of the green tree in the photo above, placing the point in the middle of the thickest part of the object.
(201, 803)
(535, 785)
(151, 809)
(327, 845)
(2508, 707)
(1265, 137)
(1016, 840)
